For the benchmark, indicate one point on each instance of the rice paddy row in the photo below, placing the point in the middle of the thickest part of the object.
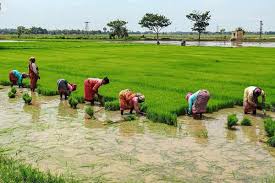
(164, 74)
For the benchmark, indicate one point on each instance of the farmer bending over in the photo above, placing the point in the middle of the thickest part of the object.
(91, 86)
(65, 88)
(16, 78)
(130, 100)
(250, 100)
(197, 102)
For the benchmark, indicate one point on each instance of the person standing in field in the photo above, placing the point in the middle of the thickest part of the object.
(250, 100)
(91, 86)
(130, 100)
(16, 78)
(197, 102)
(33, 73)
(65, 88)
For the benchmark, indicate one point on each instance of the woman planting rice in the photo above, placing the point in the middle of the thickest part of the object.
(33, 73)
(91, 87)
(197, 102)
(130, 100)
(65, 88)
(250, 101)
(16, 78)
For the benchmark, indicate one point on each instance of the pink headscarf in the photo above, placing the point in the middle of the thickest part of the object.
(258, 91)
(189, 94)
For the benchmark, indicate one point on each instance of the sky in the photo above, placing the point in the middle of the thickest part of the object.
(71, 14)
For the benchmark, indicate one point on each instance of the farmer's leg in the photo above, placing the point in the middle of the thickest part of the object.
(121, 112)
(131, 111)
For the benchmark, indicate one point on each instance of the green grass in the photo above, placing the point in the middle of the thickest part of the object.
(164, 74)
(14, 171)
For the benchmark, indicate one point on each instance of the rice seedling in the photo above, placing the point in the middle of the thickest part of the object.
(73, 102)
(271, 141)
(5, 83)
(246, 122)
(232, 120)
(202, 134)
(90, 112)
(112, 106)
(11, 95)
(129, 118)
(13, 90)
(269, 126)
(27, 98)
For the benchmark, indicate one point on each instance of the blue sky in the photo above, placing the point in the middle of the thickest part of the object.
(71, 14)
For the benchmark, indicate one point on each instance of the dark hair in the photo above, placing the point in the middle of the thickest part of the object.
(106, 80)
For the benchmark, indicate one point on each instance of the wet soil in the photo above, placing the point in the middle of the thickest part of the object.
(52, 136)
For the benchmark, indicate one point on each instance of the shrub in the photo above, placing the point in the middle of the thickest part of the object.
(232, 120)
(11, 95)
(271, 141)
(269, 126)
(89, 111)
(27, 98)
(246, 122)
(73, 102)
(13, 90)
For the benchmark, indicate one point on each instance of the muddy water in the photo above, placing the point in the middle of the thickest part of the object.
(50, 135)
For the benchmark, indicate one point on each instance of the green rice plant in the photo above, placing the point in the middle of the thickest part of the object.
(90, 112)
(202, 134)
(271, 141)
(112, 106)
(129, 118)
(80, 99)
(246, 122)
(232, 120)
(11, 95)
(13, 90)
(73, 102)
(15, 171)
(269, 126)
(46, 92)
(5, 83)
(27, 98)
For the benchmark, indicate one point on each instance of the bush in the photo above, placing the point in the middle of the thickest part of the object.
(13, 90)
(271, 141)
(11, 95)
(89, 111)
(232, 120)
(73, 102)
(246, 122)
(269, 126)
(27, 98)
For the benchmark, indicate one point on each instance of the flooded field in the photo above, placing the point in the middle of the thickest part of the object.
(215, 43)
(51, 136)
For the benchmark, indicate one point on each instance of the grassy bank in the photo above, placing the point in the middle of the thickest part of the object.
(15, 171)
(163, 73)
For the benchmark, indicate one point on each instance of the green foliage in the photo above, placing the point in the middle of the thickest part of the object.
(73, 102)
(271, 141)
(46, 92)
(201, 21)
(13, 90)
(246, 122)
(118, 28)
(89, 111)
(14, 171)
(11, 95)
(129, 117)
(27, 98)
(112, 106)
(5, 83)
(269, 126)
(154, 22)
(232, 120)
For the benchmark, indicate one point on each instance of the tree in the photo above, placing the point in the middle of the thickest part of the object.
(20, 30)
(118, 28)
(155, 22)
(104, 29)
(200, 21)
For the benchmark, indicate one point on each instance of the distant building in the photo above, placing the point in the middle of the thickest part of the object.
(238, 34)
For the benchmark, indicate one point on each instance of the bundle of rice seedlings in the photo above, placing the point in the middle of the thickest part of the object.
(232, 120)
(27, 98)
(13, 90)
(269, 126)
(90, 112)
(73, 102)
(246, 122)
(11, 95)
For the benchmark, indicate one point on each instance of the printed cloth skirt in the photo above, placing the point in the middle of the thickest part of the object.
(200, 105)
